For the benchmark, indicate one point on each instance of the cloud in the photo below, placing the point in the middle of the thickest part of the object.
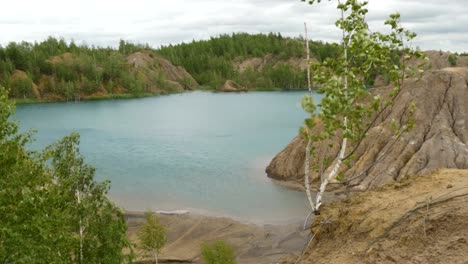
(439, 24)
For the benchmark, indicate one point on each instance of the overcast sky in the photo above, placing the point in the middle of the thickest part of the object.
(440, 24)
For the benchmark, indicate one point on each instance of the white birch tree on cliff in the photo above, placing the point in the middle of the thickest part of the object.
(348, 109)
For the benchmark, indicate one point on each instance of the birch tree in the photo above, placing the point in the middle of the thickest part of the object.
(152, 235)
(51, 208)
(98, 226)
(348, 109)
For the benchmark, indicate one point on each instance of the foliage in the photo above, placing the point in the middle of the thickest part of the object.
(211, 61)
(452, 58)
(39, 213)
(152, 235)
(68, 71)
(348, 105)
(22, 87)
(218, 253)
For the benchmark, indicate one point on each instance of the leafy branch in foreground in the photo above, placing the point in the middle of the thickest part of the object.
(348, 109)
(51, 208)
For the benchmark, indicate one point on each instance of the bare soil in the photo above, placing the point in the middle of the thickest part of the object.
(419, 220)
(253, 244)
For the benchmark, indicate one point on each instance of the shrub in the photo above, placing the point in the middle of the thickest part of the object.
(218, 253)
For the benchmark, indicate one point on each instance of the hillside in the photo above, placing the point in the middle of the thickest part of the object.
(421, 220)
(54, 70)
(57, 71)
(253, 61)
(439, 139)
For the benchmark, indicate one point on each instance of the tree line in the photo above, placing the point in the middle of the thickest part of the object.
(69, 71)
(66, 71)
(212, 61)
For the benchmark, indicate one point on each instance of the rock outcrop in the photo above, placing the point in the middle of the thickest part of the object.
(440, 60)
(259, 63)
(153, 64)
(439, 139)
(230, 86)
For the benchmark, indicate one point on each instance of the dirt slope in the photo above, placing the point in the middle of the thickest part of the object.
(252, 243)
(259, 63)
(230, 86)
(440, 60)
(154, 65)
(421, 220)
(439, 139)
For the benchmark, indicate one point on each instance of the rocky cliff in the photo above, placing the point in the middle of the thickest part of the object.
(155, 65)
(439, 139)
(269, 60)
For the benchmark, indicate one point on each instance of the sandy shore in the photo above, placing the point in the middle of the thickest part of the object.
(252, 243)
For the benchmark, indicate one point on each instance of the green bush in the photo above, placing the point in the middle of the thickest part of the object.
(452, 60)
(218, 253)
(21, 87)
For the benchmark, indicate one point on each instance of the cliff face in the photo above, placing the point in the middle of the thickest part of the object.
(154, 65)
(439, 139)
(260, 63)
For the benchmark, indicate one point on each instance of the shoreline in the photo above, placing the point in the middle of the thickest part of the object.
(259, 222)
(125, 96)
(252, 243)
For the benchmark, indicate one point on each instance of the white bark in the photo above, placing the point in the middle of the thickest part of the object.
(78, 197)
(307, 175)
(309, 142)
(332, 174)
(156, 258)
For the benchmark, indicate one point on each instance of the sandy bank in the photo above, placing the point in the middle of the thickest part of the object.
(252, 243)
(420, 220)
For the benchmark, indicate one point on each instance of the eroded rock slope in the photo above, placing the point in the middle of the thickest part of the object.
(439, 139)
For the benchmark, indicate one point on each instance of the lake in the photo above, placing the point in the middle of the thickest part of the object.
(198, 151)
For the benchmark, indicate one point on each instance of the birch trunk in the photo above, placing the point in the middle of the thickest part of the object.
(341, 155)
(309, 142)
(78, 197)
(333, 173)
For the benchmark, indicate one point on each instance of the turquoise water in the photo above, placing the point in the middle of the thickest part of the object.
(203, 152)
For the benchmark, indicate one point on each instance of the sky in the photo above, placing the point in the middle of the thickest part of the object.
(440, 25)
